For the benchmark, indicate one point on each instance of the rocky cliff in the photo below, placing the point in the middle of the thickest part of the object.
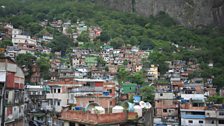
(186, 12)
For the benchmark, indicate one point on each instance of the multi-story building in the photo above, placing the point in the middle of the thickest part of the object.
(79, 92)
(22, 39)
(12, 92)
(214, 116)
(192, 109)
(93, 91)
(166, 109)
(36, 107)
(153, 73)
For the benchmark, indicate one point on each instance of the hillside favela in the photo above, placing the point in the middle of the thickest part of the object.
(112, 62)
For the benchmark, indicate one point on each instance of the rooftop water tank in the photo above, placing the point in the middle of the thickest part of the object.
(138, 110)
(98, 110)
(117, 109)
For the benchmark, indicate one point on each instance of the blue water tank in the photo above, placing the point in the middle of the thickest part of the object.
(78, 108)
(137, 99)
(106, 93)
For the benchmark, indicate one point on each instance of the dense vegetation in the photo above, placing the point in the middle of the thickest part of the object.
(203, 45)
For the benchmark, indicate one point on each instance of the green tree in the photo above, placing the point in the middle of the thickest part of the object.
(164, 19)
(125, 63)
(145, 44)
(44, 65)
(104, 36)
(100, 61)
(138, 78)
(147, 93)
(216, 99)
(84, 37)
(5, 43)
(219, 81)
(25, 61)
(61, 43)
(122, 75)
(34, 28)
(133, 41)
(117, 42)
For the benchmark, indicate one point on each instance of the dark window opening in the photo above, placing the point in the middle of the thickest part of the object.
(201, 121)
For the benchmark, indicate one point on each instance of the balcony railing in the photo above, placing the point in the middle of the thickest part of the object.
(189, 106)
(87, 89)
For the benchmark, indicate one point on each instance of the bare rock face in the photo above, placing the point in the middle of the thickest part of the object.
(218, 12)
(191, 13)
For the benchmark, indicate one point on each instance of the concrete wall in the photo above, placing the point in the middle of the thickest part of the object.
(63, 97)
(105, 102)
(164, 96)
(195, 122)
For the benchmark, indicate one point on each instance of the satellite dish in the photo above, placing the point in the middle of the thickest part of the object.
(10, 116)
(148, 105)
(142, 104)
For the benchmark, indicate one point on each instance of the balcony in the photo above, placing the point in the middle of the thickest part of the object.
(188, 116)
(57, 96)
(87, 89)
(190, 106)
(220, 114)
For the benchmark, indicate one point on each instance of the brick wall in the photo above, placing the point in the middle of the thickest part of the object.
(103, 101)
(85, 117)
(166, 104)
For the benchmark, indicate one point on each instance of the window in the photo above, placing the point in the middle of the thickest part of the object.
(91, 101)
(51, 102)
(190, 121)
(111, 102)
(59, 90)
(212, 122)
(109, 90)
(201, 122)
(164, 110)
(221, 121)
(54, 90)
(221, 113)
(59, 103)
(161, 94)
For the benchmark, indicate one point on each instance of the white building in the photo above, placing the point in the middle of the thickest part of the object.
(56, 98)
(18, 38)
(22, 39)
